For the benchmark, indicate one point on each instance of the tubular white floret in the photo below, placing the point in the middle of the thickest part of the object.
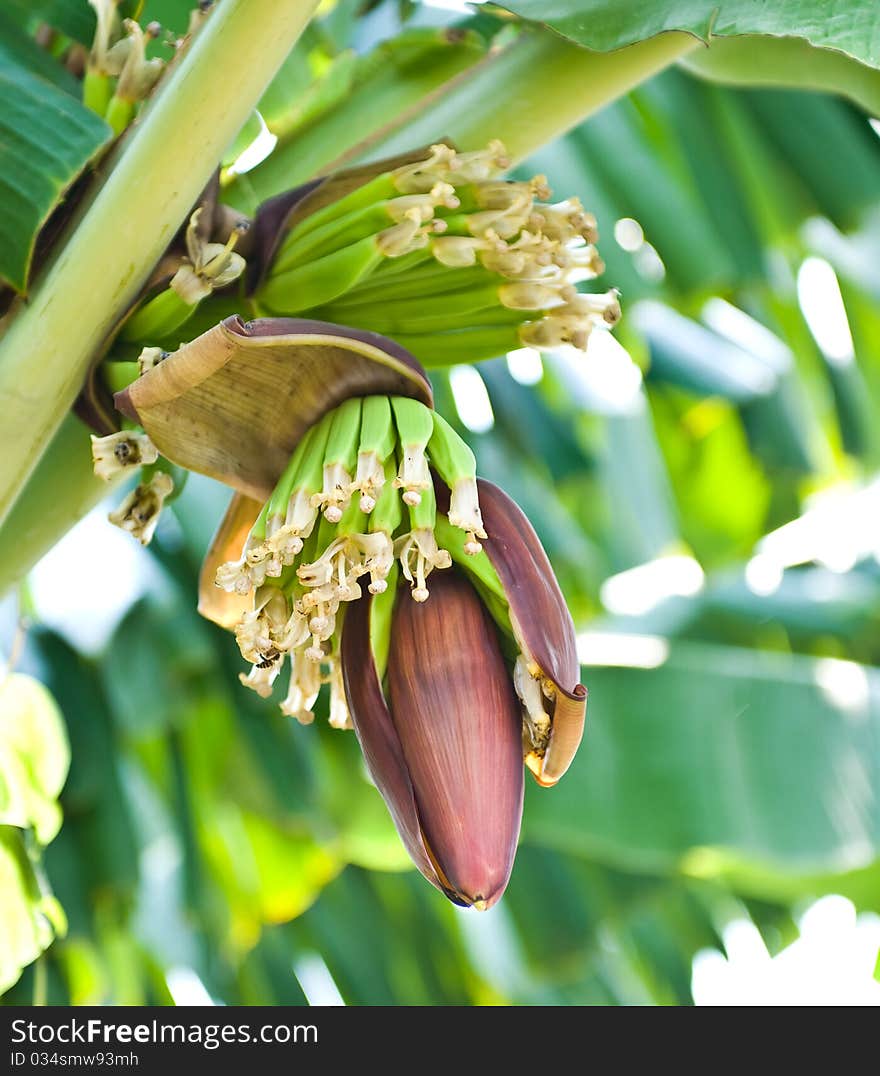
(339, 717)
(421, 176)
(252, 635)
(285, 544)
(286, 541)
(419, 555)
(534, 296)
(295, 633)
(319, 608)
(368, 480)
(272, 564)
(413, 475)
(376, 557)
(564, 221)
(506, 193)
(305, 683)
(321, 571)
(409, 234)
(445, 165)
(572, 322)
(464, 513)
(150, 357)
(139, 512)
(480, 165)
(505, 223)
(259, 631)
(262, 677)
(210, 266)
(137, 74)
(323, 595)
(458, 251)
(529, 257)
(106, 29)
(528, 688)
(120, 452)
(237, 576)
(335, 496)
(604, 307)
(580, 264)
(408, 206)
(234, 577)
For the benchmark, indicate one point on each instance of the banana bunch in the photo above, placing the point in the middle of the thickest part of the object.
(355, 503)
(440, 254)
(446, 258)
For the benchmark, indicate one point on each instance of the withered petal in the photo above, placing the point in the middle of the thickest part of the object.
(567, 731)
(542, 619)
(377, 735)
(215, 604)
(234, 402)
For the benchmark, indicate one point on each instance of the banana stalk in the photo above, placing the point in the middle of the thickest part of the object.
(148, 187)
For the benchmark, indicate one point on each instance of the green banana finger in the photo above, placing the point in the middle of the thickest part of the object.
(321, 281)
(424, 280)
(381, 610)
(456, 465)
(414, 428)
(387, 322)
(478, 565)
(332, 236)
(340, 457)
(403, 265)
(377, 427)
(423, 515)
(450, 456)
(453, 304)
(388, 513)
(309, 474)
(158, 318)
(119, 375)
(281, 494)
(377, 440)
(415, 422)
(462, 345)
(258, 530)
(97, 90)
(304, 471)
(480, 571)
(342, 444)
(378, 189)
(120, 113)
(291, 507)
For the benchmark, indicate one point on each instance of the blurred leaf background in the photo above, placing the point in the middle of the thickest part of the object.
(706, 485)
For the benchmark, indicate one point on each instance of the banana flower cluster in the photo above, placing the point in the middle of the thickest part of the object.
(360, 550)
(435, 250)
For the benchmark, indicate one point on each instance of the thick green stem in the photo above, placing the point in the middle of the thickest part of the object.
(532, 92)
(159, 172)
